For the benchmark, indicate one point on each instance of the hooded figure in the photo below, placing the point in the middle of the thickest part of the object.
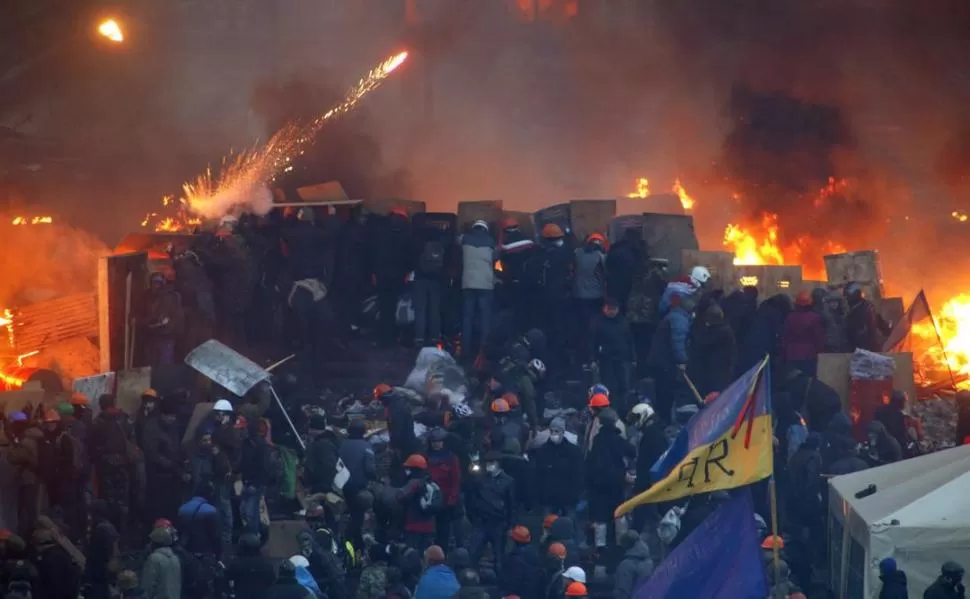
(892, 417)
(250, 574)
(893, 580)
(59, 576)
(805, 483)
(864, 326)
(803, 336)
(606, 474)
(949, 585)
(882, 447)
(764, 337)
(287, 586)
(162, 574)
(713, 352)
(635, 566)
(837, 441)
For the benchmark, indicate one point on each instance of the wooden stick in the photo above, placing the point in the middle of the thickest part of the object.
(773, 496)
(273, 367)
(697, 395)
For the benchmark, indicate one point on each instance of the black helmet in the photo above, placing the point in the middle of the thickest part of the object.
(437, 434)
(853, 292)
(952, 570)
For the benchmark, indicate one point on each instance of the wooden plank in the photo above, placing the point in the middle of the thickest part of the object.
(668, 235)
(833, 370)
(45, 323)
(861, 267)
(112, 273)
(720, 264)
(591, 216)
(620, 224)
(489, 211)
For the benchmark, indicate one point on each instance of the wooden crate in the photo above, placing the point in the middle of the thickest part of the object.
(620, 224)
(721, 265)
(113, 273)
(45, 323)
(591, 216)
(558, 214)
(489, 211)
(861, 267)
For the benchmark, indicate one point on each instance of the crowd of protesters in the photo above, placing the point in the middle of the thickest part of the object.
(508, 492)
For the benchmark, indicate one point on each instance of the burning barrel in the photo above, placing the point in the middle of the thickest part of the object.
(14, 377)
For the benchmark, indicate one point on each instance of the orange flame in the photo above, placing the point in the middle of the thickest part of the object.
(110, 29)
(960, 216)
(752, 247)
(953, 325)
(643, 189)
(35, 220)
(685, 200)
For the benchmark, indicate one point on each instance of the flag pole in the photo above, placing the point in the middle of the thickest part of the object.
(772, 491)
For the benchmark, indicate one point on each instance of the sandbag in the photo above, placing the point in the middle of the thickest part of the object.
(436, 372)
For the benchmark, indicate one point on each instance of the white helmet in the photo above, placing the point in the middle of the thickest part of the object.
(222, 405)
(641, 414)
(299, 561)
(700, 275)
(576, 574)
(537, 367)
(461, 410)
(480, 223)
(229, 220)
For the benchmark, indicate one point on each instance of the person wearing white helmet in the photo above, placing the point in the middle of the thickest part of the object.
(477, 287)
(574, 574)
(684, 286)
(652, 445)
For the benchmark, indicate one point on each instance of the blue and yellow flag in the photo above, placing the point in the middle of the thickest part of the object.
(725, 446)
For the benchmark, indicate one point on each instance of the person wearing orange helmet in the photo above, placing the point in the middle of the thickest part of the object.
(803, 335)
(417, 498)
(576, 590)
(554, 280)
(521, 571)
(477, 287)
(589, 287)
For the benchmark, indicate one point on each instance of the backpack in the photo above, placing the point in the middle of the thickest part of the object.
(432, 259)
(432, 500)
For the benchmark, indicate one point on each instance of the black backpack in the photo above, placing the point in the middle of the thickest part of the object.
(432, 500)
(432, 259)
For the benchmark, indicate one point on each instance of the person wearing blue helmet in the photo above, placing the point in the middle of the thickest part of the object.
(597, 388)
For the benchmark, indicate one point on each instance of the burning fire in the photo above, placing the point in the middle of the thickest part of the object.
(953, 326)
(960, 216)
(110, 29)
(181, 221)
(35, 220)
(755, 248)
(643, 190)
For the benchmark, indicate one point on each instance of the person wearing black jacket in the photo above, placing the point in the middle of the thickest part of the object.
(653, 444)
(614, 349)
(250, 574)
(286, 586)
(491, 507)
(400, 427)
(711, 352)
(357, 454)
(320, 464)
(163, 464)
(559, 479)
(393, 260)
(606, 476)
(521, 572)
(254, 464)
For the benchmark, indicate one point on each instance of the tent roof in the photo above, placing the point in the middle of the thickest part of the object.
(928, 484)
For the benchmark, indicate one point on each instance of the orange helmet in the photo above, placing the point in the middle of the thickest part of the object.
(400, 211)
(771, 541)
(520, 534)
(557, 550)
(509, 222)
(803, 299)
(150, 393)
(552, 231)
(500, 406)
(241, 423)
(599, 400)
(382, 390)
(576, 589)
(597, 237)
(416, 460)
(512, 399)
(79, 399)
(51, 416)
(548, 521)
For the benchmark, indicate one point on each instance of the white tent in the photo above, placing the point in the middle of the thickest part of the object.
(914, 511)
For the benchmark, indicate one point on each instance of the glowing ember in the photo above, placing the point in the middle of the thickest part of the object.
(953, 325)
(685, 200)
(960, 216)
(110, 29)
(6, 321)
(179, 222)
(35, 220)
(498, 266)
(643, 189)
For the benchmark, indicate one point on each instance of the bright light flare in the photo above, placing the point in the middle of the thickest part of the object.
(35, 220)
(111, 30)
(960, 216)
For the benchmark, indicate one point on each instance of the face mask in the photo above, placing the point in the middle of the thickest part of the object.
(556, 438)
(492, 469)
(407, 472)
